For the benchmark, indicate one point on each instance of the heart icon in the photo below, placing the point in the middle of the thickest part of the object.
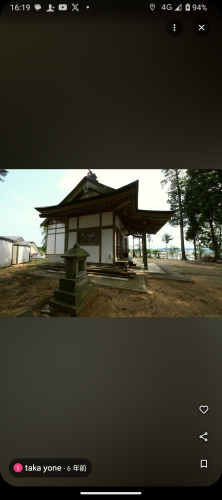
(204, 408)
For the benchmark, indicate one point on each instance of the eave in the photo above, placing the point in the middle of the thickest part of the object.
(123, 201)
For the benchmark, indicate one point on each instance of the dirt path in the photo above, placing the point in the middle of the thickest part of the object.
(165, 298)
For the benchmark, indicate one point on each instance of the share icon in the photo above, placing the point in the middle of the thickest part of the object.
(203, 436)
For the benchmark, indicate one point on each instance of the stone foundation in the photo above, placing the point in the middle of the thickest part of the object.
(53, 259)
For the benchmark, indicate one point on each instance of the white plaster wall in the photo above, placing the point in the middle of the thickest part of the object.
(89, 221)
(72, 240)
(94, 253)
(60, 244)
(51, 226)
(14, 257)
(118, 222)
(5, 253)
(73, 223)
(50, 244)
(107, 219)
(60, 225)
(107, 246)
(33, 249)
(23, 254)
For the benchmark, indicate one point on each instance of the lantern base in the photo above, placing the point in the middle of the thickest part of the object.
(74, 308)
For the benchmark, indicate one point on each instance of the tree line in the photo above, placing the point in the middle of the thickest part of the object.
(195, 195)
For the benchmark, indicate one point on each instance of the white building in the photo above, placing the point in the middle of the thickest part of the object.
(100, 218)
(15, 250)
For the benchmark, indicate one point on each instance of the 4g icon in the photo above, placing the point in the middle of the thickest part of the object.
(167, 6)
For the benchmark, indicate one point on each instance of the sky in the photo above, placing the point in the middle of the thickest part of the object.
(25, 189)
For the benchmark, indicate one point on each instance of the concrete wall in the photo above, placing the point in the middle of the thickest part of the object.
(107, 246)
(5, 253)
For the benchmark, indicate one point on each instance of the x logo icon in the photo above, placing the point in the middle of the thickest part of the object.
(75, 7)
(201, 27)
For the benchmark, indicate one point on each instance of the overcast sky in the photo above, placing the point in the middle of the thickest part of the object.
(23, 190)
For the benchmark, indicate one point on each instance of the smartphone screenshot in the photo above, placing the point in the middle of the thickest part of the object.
(111, 246)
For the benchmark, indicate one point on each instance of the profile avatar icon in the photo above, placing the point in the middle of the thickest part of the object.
(18, 467)
(51, 8)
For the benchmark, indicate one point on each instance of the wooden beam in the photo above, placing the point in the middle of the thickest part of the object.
(123, 204)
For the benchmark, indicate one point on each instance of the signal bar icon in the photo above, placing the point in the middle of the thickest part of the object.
(179, 7)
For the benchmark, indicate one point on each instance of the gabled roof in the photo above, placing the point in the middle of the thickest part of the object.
(22, 243)
(95, 188)
(12, 238)
(75, 201)
(122, 201)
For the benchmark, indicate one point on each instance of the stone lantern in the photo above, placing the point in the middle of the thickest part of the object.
(76, 290)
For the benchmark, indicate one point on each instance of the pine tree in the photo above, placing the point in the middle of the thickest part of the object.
(203, 202)
(3, 173)
(174, 180)
(166, 238)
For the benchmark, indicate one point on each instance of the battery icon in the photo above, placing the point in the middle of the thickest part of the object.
(187, 6)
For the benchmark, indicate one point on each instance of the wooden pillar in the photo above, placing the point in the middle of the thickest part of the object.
(114, 238)
(144, 251)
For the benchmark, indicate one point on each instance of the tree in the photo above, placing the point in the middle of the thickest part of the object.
(166, 238)
(3, 173)
(44, 240)
(173, 250)
(155, 253)
(174, 179)
(203, 202)
(149, 238)
(139, 247)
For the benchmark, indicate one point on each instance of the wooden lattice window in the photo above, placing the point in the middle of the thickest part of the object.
(89, 237)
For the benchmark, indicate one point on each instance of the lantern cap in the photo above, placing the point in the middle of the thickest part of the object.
(75, 252)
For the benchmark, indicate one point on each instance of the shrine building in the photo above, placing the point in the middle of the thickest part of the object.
(100, 219)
